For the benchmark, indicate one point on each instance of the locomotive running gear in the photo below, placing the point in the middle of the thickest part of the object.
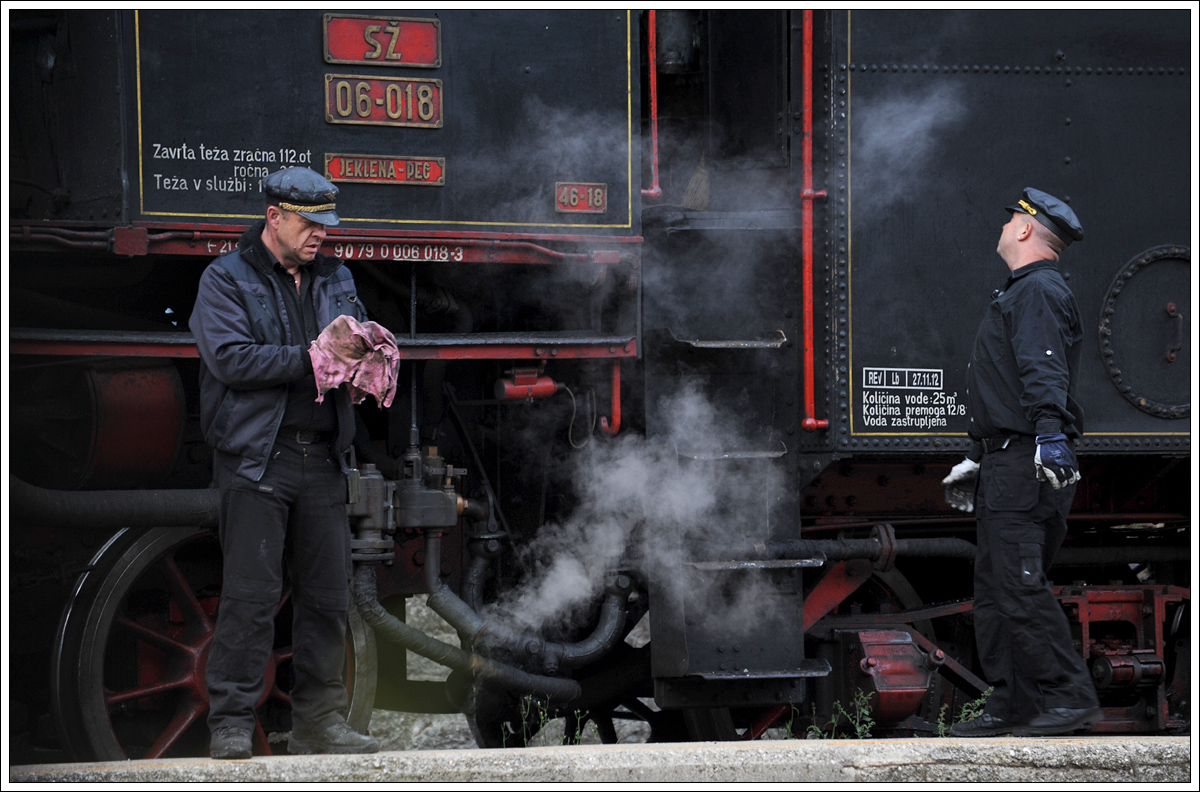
(230, 742)
(1055, 460)
(1050, 212)
(960, 485)
(305, 192)
(336, 738)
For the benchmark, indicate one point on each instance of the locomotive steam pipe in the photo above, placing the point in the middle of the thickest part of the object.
(419, 504)
(943, 547)
(490, 671)
(466, 621)
(110, 509)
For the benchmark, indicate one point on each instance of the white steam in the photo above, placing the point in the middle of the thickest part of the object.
(895, 138)
(636, 497)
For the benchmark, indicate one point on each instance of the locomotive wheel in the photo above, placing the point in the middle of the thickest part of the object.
(719, 724)
(132, 646)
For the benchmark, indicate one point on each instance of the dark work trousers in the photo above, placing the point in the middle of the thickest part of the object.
(298, 512)
(1024, 641)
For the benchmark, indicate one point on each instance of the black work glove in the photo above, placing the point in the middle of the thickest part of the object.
(1055, 460)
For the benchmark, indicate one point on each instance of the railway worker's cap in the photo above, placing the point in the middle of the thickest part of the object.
(1050, 212)
(305, 192)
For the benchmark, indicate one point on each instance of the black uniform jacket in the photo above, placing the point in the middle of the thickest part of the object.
(247, 352)
(1025, 367)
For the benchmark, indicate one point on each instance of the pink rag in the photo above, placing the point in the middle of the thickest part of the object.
(363, 355)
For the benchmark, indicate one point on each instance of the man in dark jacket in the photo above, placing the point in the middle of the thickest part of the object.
(1024, 421)
(280, 465)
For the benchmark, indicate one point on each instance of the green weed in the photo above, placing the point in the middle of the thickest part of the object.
(970, 711)
(858, 719)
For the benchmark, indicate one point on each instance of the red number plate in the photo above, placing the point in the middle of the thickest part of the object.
(383, 41)
(383, 101)
(369, 169)
(580, 197)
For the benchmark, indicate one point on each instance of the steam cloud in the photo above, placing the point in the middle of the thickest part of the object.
(895, 138)
(635, 497)
(581, 145)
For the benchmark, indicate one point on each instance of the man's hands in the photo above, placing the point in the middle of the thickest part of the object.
(960, 485)
(1055, 460)
(364, 356)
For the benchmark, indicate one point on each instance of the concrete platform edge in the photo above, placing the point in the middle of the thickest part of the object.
(1139, 760)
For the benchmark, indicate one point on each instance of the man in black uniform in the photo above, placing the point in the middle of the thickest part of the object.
(1019, 477)
(279, 462)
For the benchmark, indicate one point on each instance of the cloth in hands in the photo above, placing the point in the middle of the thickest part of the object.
(364, 356)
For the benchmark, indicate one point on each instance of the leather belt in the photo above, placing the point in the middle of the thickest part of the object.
(998, 442)
(307, 436)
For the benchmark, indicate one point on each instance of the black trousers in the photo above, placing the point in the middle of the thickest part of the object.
(1024, 641)
(296, 512)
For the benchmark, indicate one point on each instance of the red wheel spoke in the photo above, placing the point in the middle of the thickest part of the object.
(261, 745)
(112, 697)
(153, 637)
(287, 594)
(193, 611)
(278, 694)
(175, 729)
(764, 723)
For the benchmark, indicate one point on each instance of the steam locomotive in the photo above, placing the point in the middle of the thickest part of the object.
(684, 301)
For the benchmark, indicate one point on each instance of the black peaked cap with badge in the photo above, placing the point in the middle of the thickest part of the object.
(1050, 212)
(305, 192)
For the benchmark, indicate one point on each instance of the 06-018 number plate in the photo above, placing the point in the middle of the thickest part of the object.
(383, 101)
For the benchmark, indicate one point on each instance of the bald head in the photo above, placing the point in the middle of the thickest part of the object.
(1047, 237)
(1024, 240)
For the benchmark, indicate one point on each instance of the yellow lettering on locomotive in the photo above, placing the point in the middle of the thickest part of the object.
(378, 48)
(394, 29)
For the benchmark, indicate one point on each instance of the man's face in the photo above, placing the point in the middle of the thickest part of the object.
(298, 238)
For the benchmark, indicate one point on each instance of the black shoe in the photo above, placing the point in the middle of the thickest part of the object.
(984, 725)
(337, 738)
(1062, 720)
(230, 742)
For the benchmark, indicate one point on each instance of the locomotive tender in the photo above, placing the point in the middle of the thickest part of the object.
(684, 300)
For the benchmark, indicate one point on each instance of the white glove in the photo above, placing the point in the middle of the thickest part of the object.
(960, 485)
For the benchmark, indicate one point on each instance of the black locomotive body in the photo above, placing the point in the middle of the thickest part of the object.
(684, 301)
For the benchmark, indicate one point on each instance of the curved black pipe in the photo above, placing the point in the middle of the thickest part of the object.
(472, 586)
(112, 509)
(604, 637)
(466, 621)
(489, 671)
